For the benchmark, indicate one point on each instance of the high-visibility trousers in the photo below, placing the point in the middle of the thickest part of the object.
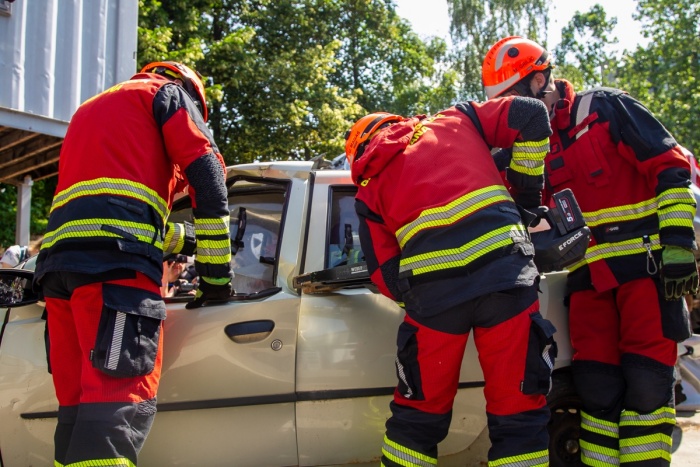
(624, 354)
(516, 353)
(105, 357)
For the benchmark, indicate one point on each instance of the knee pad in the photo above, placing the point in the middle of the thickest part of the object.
(599, 385)
(649, 383)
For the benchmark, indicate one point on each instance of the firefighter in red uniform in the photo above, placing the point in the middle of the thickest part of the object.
(443, 237)
(626, 297)
(126, 152)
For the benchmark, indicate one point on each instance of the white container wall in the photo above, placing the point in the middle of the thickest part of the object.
(55, 54)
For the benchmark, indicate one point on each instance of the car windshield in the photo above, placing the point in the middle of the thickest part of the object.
(256, 210)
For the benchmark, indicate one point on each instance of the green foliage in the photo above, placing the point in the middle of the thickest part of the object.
(8, 199)
(583, 55)
(287, 78)
(42, 194)
(664, 75)
(478, 24)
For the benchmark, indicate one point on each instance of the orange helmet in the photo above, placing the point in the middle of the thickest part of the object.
(509, 61)
(191, 81)
(362, 131)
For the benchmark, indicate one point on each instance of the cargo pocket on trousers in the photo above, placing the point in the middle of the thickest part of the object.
(541, 352)
(129, 331)
(407, 368)
(675, 319)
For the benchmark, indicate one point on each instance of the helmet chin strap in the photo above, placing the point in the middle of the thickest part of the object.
(542, 93)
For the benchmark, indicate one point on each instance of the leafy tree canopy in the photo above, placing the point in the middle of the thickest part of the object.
(665, 74)
(478, 24)
(287, 78)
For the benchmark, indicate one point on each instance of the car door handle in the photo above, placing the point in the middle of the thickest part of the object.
(249, 331)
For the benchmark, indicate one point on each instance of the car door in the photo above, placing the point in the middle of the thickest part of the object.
(27, 400)
(227, 391)
(347, 346)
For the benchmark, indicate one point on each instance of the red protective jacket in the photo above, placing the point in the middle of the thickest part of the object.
(125, 152)
(630, 178)
(433, 209)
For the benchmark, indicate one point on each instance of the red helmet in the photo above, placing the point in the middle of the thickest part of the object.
(362, 131)
(509, 61)
(191, 81)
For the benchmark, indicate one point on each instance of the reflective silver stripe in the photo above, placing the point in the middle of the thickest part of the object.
(116, 345)
(539, 458)
(597, 426)
(588, 452)
(529, 163)
(651, 446)
(662, 415)
(667, 217)
(584, 109)
(609, 250)
(213, 251)
(115, 186)
(96, 228)
(455, 210)
(174, 237)
(674, 196)
(212, 225)
(461, 256)
(620, 213)
(548, 360)
(402, 377)
(530, 147)
(655, 446)
(405, 456)
(528, 157)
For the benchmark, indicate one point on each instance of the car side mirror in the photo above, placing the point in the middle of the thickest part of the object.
(16, 288)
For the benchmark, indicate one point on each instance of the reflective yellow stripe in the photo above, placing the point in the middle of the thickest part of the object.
(679, 215)
(656, 446)
(602, 427)
(610, 250)
(112, 186)
(83, 228)
(599, 456)
(461, 256)
(174, 238)
(213, 251)
(453, 212)
(539, 458)
(212, 226)
(657, 417)
(528, 157)
(405, 456)
(676, 208)
(620, 213)
(674, 196)
(116, 462)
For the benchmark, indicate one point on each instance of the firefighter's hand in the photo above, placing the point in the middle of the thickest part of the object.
(211, 288)
(679, 272)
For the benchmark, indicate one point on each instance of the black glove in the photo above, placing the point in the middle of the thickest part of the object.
(679, 272)
(211, 288)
